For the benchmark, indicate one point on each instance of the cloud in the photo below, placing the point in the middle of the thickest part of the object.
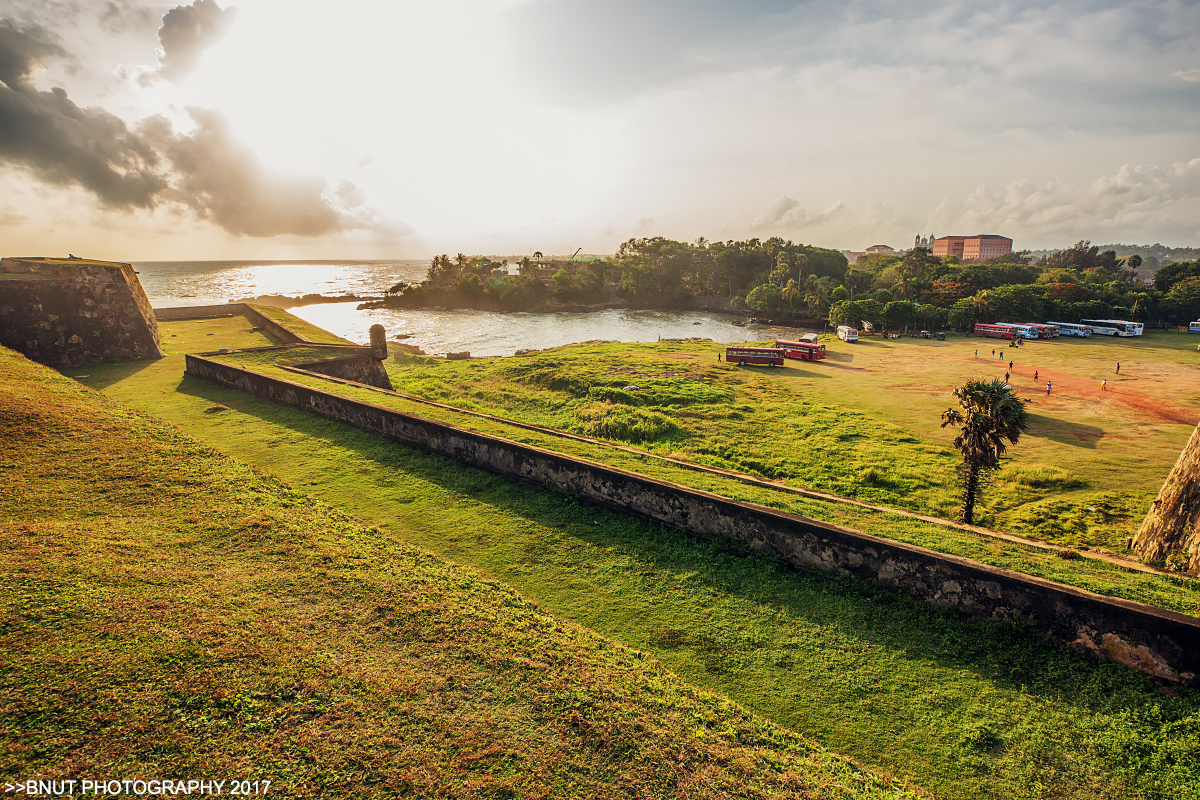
(222, 180)
(186, 32)
(786, 213)
(1189, 75)
(643, 226)
(208, 171)
(121, 15)
(1137, 201)
(61, 143)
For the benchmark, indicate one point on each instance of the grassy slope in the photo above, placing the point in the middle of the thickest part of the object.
(968, 710)
(299, 326)
(173, 613)
(865, 423)
(1178, 594)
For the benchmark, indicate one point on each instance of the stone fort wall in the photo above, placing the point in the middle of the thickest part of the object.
(68, 312)
(1162, 643)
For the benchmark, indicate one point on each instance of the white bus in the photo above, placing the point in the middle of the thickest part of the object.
(1113, 327)
(1021, 331)
(1194, 327)
(847, 334)
(1068, 329)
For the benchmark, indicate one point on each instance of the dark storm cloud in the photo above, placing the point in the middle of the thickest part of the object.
(185, 34)
(63, 144)
(222, 180)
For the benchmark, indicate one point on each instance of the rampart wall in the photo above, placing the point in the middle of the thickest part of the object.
(281, 332)
(358, 368)
(68, 312)
(1161, 643)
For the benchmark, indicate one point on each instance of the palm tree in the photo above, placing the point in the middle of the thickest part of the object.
(790, 293)
(983, 304)
(816, 295)
(991, 416)
(538, 255)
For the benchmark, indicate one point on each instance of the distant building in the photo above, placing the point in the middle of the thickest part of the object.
(880, 250)
(924, 241)
(972, 248)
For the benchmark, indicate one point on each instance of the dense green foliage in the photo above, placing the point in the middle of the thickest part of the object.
(1069, 285)
(655, 272)
(897, 292)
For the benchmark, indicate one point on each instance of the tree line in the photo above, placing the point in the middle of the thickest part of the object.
(653, 272)
(1079, 282)
(781, 278)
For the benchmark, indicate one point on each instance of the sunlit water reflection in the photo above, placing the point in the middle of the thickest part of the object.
(481, 333)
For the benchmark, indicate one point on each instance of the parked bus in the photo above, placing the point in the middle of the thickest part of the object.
(847, 334)
(994, 331)
(1194, 327)
(1070, 329)
(771, 356)
(1021, 331)
(805, 351)
(1042, 331)
(1113, 327)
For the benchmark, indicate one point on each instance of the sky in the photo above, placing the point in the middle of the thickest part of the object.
(267, 129)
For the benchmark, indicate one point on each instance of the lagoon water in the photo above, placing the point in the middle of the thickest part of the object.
(482, 333)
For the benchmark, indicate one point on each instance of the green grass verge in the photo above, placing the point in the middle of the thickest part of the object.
(1174, 593)
(298, 326)
(173, 613)
(865, 423)
(965, 709)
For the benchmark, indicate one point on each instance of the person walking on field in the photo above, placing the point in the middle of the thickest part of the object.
(1006, 377)
(1035, 376)
(1104, 385)
(993, 352)
(1118, 367)
(1047, 388)
(1010, 365)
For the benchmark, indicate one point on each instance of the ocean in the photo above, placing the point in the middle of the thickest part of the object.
(481, 333)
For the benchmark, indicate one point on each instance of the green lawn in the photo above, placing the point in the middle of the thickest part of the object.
(865, 422)
(172, 613)
(965, 709)
(299, 326)
(1179, 594)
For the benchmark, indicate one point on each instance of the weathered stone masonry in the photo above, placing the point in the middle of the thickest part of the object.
(67, 312)
(1162, 643)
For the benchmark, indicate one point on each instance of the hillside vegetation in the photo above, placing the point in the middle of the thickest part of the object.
(171, 613)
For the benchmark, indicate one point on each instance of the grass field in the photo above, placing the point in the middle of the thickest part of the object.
(865, 422)
(171, 613)
(967, 710)
(1179, 594)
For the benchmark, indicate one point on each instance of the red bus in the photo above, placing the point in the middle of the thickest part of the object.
(994, 331)
(771, 356)
(805, 351)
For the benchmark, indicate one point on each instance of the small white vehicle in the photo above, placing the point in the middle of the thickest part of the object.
(847, 334)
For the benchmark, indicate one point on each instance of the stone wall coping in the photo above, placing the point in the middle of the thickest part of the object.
(831, 528)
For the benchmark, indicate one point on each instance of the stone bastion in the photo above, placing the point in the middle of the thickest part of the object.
(72, 311)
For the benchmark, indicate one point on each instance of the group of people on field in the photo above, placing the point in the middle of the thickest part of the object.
(1049, 386)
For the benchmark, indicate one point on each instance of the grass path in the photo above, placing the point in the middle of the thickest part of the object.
(967, 710)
